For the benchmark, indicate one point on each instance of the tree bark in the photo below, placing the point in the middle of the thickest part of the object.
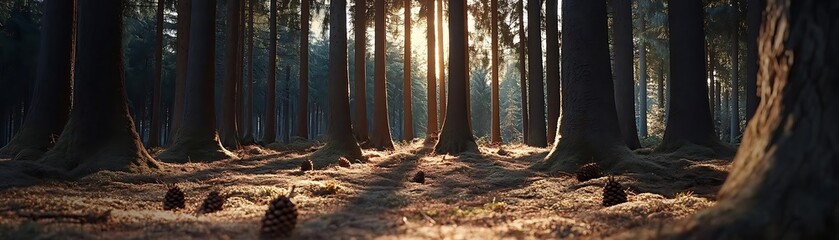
(184, 9)
(537, 136)
(456, 136)
(712, 81)
(525, 129)
(228, 130)
(689, 118)
(792, 136)
(441, 63)
(360, 102)
(660, 94)
(381, 128)
(495, 128)
(624, 82)
(552, 69)
(431, 74)
(286, 105)
(408, 119)
(51, 99)
(247, 126)
(198, 139)
(157, 79)
(303, 91)
(754, 16)
(735, 78)
(270, 135)
(589, 125)
(100, 132)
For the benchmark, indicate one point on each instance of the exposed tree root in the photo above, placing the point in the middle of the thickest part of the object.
(448, 145)
(569, 156)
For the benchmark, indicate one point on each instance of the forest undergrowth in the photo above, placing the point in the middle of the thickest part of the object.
(491, 195)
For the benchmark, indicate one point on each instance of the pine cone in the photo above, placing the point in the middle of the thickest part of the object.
(174, 199)
(419, 177)
(307, 166)
(613, 193)
(280, 218)
(213, 203)
(588, 172)
(343, 162)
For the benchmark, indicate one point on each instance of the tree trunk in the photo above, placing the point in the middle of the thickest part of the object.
(552, 69)
(689, 118)
(51, 99)
(270, 134)
(198, 139)
(441, 63)
(525, 129)
(340, 140)
(624, 82)
(156, 120)
(660, 94)
(247, 126)
(456, 136)
(537, 136)
(303, 91)
(792, 138)
(642, 82)
(754, 18)
(408, 119)
(100, 133)
(360, 102)
(712, 82)
(228, 131)
(495, 128)
(431, 74)
(735, 77)
(589, 126)
(184, 9)
(286, 105)
(381, 128)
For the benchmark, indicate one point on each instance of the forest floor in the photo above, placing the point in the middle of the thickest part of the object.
(473, 196)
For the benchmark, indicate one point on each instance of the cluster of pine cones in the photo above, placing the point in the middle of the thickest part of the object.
(613, 192)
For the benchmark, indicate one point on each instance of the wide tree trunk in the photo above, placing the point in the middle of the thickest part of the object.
(456, 136)
(754, 16)
(51, 99)
(270, 134)
(791, 139)
(735, 81)
(157, 79)
(303, 91)
(624, 77)
(689, 118)
(589, 124)
(381, 126)
(537, 136)
(100, 132)
(247, 125)
(184, 8)
(197, 139)
(408, 119)
(339, 135)
(360, 102)
(525, 129)
(495, 125)
(228, 131)
(441, 64)
(552, 68)
(431, 74)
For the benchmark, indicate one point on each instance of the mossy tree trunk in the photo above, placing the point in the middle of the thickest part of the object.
(381, 126)
(624, 82)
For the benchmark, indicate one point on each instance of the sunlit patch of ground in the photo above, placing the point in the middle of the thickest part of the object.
(486, 196)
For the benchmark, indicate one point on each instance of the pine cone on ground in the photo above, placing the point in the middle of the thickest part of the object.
(343, 162)
(307, 166)
(588, 172)
(280, 218)
(174, 199)
(613, 193)
(419, 177)
(213, 203)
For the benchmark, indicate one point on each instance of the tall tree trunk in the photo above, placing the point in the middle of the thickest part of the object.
(340, 140)
(303, 91)
(198, 139)
(431, 74)
(495, 128)
(408, 119)
(184, 9)
(100, 133)
(441, 63)
(286, 104)
(589, 125)
(228, 131)
(270, 135)
(754, 16)
(624, 82)
(735, 76)
(360, 102)
(248, 136)
(712, 82)
(537, 136)
(51, 99)
(791, 140)
(660, 94)
(525, 129)
(157, 79)
(552, 69)
(689, 118)
(456, 136)
(642, 82)
(381, 128)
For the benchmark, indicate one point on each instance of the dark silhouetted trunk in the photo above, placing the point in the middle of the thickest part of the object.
(642, 83)
(495, 125)
(624, 82)
(197, 139)
(247, 125)
(51, 99)
(735, 79)
(286, 105)
(441, 64)
(661, 96)
(790, 140)
(270, 134)
(525, 129)
(712, 82)
(456, 136)
(537, 136)
(303, 91)
(689, 117)
(184, 9)
(157, 79)
(228, 131)
(552, 68)
(754, 19)
(431, 74)
(589, 125)
(381, 126)
(408, 119)
(360, 102)
(100, 132)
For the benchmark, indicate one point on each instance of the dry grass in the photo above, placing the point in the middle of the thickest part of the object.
(486, 196)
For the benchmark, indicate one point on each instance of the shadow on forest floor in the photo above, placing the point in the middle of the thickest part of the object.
(471, 196)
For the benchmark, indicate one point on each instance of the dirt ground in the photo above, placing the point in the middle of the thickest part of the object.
(486, 196)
